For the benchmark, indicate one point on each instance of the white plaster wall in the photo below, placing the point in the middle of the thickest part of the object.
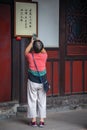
(48, 22)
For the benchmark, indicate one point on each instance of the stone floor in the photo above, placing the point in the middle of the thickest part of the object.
(64, 120)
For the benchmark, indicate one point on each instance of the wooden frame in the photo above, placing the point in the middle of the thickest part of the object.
(25, 18)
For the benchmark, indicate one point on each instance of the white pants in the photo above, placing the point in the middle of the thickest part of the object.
(36, 100)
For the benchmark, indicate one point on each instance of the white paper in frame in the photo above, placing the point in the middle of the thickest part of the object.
(25, 19)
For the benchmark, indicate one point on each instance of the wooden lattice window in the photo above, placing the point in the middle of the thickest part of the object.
(76, 22)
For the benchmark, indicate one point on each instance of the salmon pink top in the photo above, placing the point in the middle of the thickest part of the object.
(40, 59)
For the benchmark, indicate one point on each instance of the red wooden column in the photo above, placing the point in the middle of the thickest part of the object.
(5, 53)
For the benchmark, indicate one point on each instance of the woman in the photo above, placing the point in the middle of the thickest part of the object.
(35, 93)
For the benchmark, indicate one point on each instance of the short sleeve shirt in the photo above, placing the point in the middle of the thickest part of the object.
(40, 59)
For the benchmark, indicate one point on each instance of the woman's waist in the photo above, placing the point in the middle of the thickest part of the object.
(37, 79)
(37, 73)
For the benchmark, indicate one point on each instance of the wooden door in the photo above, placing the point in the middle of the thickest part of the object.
(5, 53)
(73, 46)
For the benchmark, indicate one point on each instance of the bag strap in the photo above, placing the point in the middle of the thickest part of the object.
(37, 68)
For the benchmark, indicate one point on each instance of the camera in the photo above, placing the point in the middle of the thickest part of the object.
(34, 37)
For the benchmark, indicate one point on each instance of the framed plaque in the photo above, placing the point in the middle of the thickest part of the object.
(25, 18)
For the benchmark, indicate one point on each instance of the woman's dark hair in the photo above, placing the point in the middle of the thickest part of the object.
(38, 46)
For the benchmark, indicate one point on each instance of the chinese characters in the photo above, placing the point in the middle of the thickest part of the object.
(26, 17)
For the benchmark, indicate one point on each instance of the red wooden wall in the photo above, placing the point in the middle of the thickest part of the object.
(75, 76)
(5, 53)
(73, 46)
(53, 71)
(85, 76)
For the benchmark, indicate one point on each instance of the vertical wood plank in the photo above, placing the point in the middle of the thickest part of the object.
(67, 77)
(77, 77)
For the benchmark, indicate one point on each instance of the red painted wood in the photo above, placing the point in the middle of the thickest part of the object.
(49, 77)
(76, 50)
(53, 73)
(67, 77)
(55, 78)
(53, 54)
(5, 53)
(85, 76)
(77, 76)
